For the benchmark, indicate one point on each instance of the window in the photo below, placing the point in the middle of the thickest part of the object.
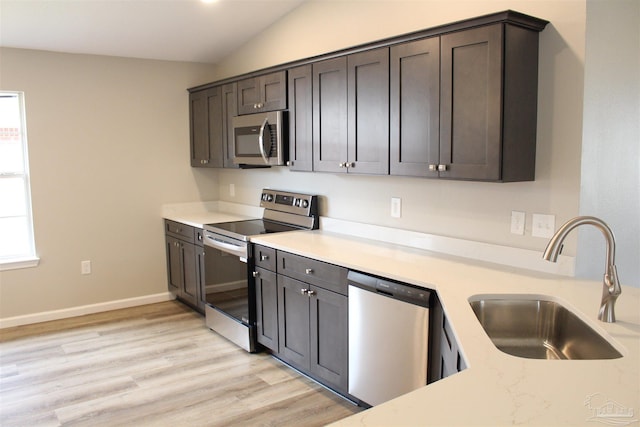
(17, 247)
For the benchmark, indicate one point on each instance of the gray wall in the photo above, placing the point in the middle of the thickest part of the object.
(611, 137)
(108, 145)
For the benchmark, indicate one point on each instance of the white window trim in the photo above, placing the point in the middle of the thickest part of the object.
(17, 263)
(25, 260)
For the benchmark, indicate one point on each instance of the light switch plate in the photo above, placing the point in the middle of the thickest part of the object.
(85, 267)
(518, 219)
(543, 225)
(396, 207)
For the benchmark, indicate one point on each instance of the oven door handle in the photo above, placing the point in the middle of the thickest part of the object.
(229, 248)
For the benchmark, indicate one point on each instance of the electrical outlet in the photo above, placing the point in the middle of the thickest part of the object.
(543, 225)
(85, 267)
(518, 222)
(232, 190)
(396, 207)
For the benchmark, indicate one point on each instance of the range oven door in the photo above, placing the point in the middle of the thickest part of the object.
(230, 298)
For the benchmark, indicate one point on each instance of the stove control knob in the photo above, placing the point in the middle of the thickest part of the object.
(269, 197)
(305, 203)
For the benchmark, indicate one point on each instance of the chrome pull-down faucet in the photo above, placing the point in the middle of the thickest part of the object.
(610, 286)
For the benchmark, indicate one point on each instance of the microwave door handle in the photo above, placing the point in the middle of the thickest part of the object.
(261, 141)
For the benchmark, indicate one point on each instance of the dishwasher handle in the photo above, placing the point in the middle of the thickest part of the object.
(391, 289)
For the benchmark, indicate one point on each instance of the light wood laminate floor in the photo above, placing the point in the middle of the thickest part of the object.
(154, 365)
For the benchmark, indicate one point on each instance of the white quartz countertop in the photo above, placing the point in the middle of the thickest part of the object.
(199, 214)
(496, 388)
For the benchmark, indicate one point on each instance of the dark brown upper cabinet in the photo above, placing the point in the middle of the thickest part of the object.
(206, 127)
(300, 94)
(229, 110)
(330, 115)
(415, 107)
(263, 93)
(488, 104)
(457, 101)
(351, 113)
(211, 111)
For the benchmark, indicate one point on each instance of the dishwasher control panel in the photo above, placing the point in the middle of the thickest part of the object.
(389, 288)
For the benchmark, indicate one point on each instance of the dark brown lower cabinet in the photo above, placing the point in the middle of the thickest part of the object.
(267, 308)
(302, 314)
(183, 271)
(313, 331)
(445, 356)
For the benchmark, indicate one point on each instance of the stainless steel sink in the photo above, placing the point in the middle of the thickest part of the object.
(539, 329)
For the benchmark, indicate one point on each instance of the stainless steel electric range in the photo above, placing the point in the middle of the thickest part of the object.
(230, 289)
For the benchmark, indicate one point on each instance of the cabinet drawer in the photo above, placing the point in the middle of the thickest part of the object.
(265, 257)
(182, 231)
(322, 274)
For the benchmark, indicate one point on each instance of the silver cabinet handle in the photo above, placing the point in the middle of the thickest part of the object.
(311, 293)
(308, 270)
(437, 168)
(256, 274)
(304, 291)
(351, 165)
(340, 165)
(264, 257)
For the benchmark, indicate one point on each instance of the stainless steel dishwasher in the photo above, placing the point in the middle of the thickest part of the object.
(388, 338)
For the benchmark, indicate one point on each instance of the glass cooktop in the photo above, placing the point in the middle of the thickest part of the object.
(250, 227)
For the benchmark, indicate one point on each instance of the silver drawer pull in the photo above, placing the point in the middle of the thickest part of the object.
(264, 257)
(308, 270)
(256, 274)
(304, 291)
(311, 293)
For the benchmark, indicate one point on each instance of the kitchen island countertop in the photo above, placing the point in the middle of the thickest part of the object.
(496, 388)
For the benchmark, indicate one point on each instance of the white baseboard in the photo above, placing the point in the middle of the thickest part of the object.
(46, 316)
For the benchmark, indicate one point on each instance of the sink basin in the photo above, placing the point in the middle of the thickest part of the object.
(535, 328)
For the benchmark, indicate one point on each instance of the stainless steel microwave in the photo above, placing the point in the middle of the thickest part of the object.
(259, 139)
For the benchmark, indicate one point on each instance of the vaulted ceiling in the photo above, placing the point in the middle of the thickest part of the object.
(176, 30)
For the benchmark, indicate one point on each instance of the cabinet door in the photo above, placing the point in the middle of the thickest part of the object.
(330, 115)
(300, 119)
(200, 278)
(329, 337)
(229, 111)
(205, 113)
(471, 99)
(273, 91)
(293, 322)
(174, 265)
(267, 308)
(263, 93)
(415, 108)
(248, 96)
(368, 112)
(191, 286)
